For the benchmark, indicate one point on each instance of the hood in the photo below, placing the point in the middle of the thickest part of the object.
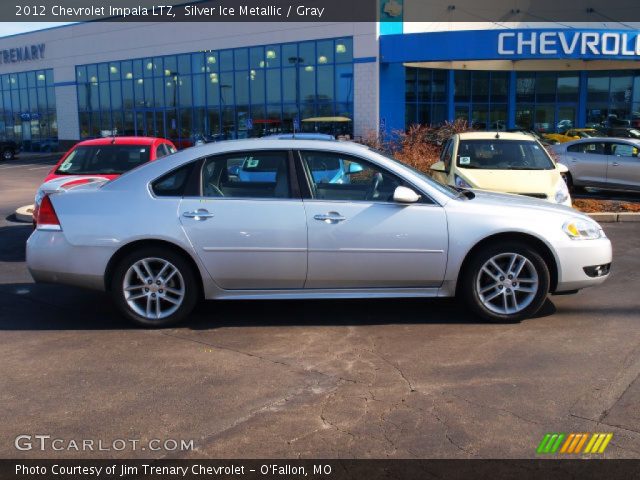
(513, 181)
(494, 199)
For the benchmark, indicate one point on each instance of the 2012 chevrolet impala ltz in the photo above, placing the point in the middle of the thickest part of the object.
(258, 219)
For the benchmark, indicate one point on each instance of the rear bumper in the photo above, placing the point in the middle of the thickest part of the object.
(52, 259)
(578, 261)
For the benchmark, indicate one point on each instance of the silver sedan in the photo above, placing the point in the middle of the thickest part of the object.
(286, 218)
(606, 163)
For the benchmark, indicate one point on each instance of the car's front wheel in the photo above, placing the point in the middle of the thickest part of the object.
(154, 287)
(506, 283)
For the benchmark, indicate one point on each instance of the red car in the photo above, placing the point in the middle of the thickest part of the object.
(101, 159)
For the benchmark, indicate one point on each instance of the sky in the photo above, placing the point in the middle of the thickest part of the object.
(11, 28)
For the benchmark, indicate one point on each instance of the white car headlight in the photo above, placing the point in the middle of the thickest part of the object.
(562, 192)
(581, 229)
(461, 183)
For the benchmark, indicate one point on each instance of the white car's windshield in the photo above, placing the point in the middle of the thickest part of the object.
(501, 154)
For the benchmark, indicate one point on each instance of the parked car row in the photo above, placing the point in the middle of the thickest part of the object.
(286, 218)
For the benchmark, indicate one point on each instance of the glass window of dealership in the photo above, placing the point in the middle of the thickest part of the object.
(28, 109)
(224, 94)
(544, 101)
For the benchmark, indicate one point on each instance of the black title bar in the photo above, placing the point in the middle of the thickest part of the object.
(495, 11)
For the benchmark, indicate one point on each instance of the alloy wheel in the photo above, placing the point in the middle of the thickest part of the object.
(507, 283)
(153, 288)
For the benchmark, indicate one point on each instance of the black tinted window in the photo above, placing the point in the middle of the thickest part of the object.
(259, 174)
(173, 184)
(596, 148)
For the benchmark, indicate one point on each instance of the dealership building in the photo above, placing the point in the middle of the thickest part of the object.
(239, 80)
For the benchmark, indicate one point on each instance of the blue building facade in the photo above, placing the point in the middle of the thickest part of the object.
(543, 79)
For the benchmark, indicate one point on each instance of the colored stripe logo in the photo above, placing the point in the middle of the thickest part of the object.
(574, 443)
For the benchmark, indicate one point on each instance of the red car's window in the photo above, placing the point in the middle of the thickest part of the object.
(103, 159)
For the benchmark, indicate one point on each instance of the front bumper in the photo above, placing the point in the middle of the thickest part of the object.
(52, 259)
(578, 258)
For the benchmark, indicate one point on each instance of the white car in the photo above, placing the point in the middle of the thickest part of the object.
(168, 233)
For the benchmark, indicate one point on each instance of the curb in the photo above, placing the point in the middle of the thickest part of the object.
(615, 217)
(25, 214)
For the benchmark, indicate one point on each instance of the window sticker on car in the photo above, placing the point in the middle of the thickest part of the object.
(536, 147)
(65, 166)
(252, 162)
(465, 160)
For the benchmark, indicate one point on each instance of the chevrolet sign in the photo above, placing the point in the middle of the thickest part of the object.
(567, 43)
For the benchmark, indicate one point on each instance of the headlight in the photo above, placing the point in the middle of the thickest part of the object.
(461, 182)
(581, 229)
(562, 192)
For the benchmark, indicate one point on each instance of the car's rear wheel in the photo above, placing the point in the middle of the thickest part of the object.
(8, 154)
(506, 283)
(154, 287)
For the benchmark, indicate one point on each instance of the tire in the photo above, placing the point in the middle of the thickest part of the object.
(140, 301)
(529, 288)
(8, 154)
(568, 179)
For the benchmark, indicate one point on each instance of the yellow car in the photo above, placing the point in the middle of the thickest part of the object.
(502, 162)
(573, 134)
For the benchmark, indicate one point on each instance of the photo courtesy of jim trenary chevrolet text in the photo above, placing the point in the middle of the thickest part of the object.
(322, 239)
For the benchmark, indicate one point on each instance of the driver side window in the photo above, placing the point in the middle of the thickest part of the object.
(334, 176)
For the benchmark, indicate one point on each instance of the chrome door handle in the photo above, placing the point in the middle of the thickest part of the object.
(331, 217)
(615, 164)
(200, 214)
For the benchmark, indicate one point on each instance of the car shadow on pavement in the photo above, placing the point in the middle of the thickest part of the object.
(12, 241)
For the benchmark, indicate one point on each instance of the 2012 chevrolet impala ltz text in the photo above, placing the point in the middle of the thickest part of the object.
(257, 219)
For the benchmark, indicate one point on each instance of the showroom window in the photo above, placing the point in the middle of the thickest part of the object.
(481, 98)
(547, 101)
(28, 110)
(425, 96)
(613, 99)
(221, 94)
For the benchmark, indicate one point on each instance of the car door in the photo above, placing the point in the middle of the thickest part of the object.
(358, 237)
(623, 166)
(250, 232)
(587, 162)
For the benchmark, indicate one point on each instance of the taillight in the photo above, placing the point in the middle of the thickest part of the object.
(47, 218)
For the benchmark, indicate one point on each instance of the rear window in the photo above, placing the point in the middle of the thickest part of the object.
(500, 154)
(104, 159)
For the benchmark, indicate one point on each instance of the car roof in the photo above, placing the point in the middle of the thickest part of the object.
(120, 141)
(493, 135)
(300, 136)
(604, 139)
(265, 143)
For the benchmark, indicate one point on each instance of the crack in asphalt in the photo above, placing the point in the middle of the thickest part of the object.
(488, 407)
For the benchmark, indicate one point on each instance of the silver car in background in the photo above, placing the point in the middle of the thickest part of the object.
(601, 162)
(169, 233)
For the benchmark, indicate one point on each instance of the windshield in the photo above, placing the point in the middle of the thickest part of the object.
(501, 154)
(445, 189)
(104, 159)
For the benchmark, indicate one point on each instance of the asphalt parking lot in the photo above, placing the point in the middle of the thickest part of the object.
(313, 379)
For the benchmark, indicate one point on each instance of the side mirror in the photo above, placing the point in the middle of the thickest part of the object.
(562, 168)
(405, 195)
(354, 168)
(438, 167)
